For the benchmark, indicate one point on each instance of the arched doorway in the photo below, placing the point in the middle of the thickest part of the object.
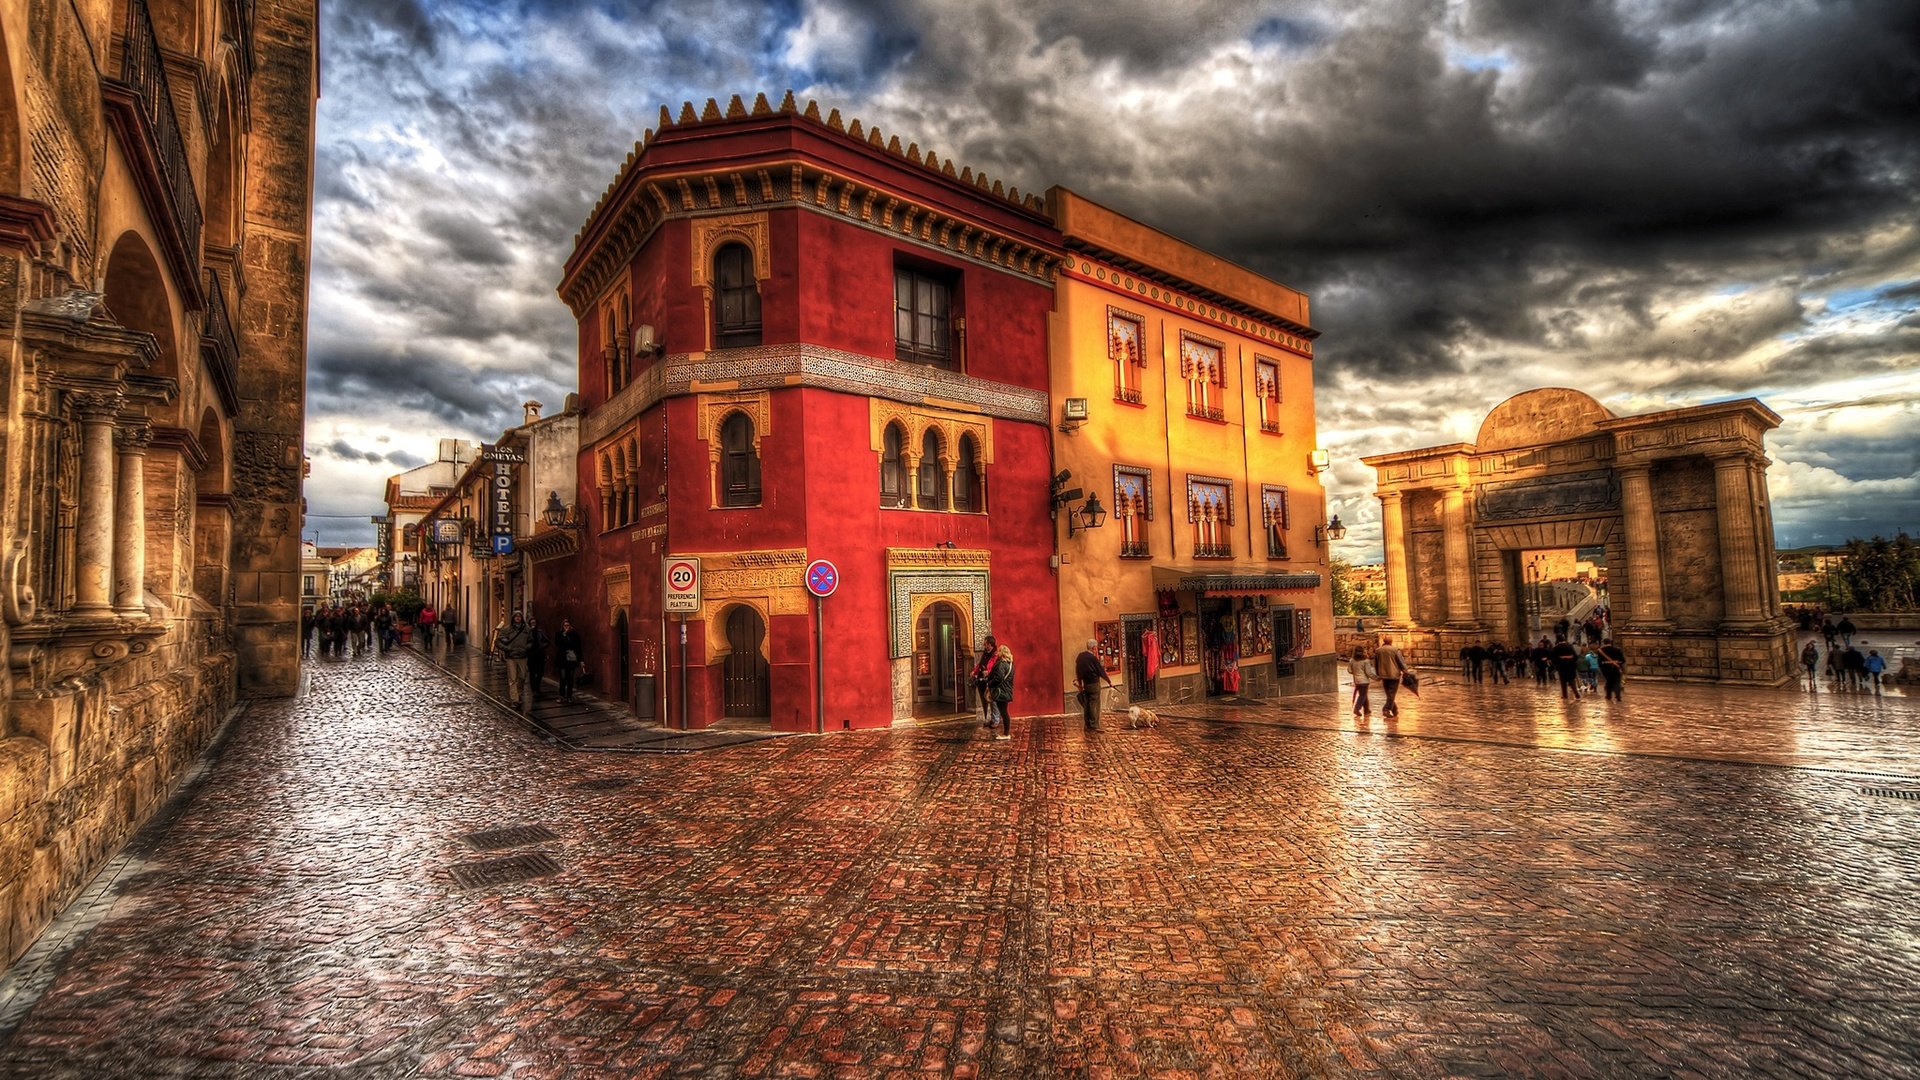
(744, 675)
(940, 661)
(620, 664)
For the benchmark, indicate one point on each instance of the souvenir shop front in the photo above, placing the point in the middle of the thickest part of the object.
(1218, 637)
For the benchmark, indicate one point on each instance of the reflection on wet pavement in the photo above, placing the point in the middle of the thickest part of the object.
(384, 878)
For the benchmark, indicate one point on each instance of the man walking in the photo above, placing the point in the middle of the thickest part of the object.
(1613, 668)
(513, 642)
(1390, 666)
(1089, 673)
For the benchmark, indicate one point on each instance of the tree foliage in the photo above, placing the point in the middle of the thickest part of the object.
(1879, 575)
(1348, 600)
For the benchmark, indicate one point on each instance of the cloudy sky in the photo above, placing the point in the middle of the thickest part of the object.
(1660, 202)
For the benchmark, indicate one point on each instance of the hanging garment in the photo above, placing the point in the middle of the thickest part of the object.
(1150, 652)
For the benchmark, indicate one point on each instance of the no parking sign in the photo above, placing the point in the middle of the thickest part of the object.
(822, 577)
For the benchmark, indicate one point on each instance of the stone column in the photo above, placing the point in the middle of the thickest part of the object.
(1453, 507)
(1734, 512)
(130, 524)
(1644, 585)
(93, 564)
(1393, 538)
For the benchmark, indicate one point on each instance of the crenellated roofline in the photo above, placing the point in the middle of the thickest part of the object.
(958, 210)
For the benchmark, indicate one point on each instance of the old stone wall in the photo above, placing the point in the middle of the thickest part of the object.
(1689, 543)
(116, 608)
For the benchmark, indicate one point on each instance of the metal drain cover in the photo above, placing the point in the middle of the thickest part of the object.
(522, 867)
(512, 836)
(607, 783)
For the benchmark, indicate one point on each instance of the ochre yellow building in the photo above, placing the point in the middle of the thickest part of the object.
(1197, 438)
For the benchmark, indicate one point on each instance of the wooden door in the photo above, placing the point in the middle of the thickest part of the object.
(744, 676)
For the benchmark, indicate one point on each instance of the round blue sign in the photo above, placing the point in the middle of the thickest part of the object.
(822, 577)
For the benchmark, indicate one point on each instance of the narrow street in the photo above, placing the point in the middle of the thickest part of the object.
(389, 877)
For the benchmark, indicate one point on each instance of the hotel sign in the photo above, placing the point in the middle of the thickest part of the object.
(500, 494)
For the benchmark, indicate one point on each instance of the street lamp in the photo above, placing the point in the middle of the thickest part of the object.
(558, 514)
(1332, 530)
(1090, 516)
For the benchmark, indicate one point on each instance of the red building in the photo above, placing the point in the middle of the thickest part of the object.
(800, 340)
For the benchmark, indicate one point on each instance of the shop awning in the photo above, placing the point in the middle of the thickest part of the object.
(1226, 584)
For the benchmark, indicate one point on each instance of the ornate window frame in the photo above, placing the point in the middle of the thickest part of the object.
(1206, 381)
(1129, 363)
(712, 233)
(1212, 536)
(1274, 503)
(1267, 392)
(1135, 541)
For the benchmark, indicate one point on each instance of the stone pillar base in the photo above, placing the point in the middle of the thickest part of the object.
(1761, 656)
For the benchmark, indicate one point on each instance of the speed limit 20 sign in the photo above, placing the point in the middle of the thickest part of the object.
(680, 582)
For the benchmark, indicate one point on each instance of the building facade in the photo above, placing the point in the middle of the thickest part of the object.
(477, 543)
(1186, 389)
(155, 177)
(800, 340)
(410, 495)
(1678, 501)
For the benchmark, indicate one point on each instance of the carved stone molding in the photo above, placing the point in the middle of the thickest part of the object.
(711, 233)
(133, 440)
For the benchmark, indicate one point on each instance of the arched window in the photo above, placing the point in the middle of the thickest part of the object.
(966, 479)
(893, 470)
(739, 463)
(933, 484)
(736, 299)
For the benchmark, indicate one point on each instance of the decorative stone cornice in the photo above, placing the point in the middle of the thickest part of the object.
(24, 223)
(182, 441)
(1159, 288)
(799, 365)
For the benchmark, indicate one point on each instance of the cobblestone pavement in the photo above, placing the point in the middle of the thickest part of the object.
(1266, 893)
(585, 723)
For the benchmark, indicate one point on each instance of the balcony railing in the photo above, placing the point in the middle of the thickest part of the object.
(1135, 549)
(1127, 394)
(1205, 412)
(219, 346)
(1212, 551)
(143, 73)
(1270, 426)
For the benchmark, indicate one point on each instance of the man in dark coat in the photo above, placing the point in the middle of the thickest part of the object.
(1089, 673)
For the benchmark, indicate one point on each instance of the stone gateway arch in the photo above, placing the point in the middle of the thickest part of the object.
(1678, 501)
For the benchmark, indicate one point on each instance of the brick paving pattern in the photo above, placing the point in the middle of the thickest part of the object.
(1695, 885)
(585, 723)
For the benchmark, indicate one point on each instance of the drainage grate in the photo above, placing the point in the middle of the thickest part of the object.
(513, 836)
(522, 867)
(606, 783)
(1891, 793)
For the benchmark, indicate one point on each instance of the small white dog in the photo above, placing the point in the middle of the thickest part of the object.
(1138, 717)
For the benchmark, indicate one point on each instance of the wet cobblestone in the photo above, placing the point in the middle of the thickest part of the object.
(1695, 884)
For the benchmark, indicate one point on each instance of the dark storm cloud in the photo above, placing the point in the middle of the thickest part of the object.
(1648, 199)
(349, 381)
(468, 240)
(346, 451)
